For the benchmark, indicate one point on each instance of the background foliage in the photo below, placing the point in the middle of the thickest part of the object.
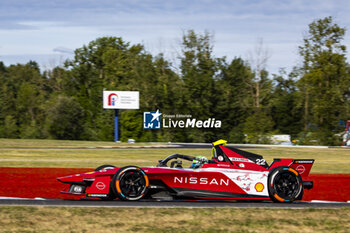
(66, 102)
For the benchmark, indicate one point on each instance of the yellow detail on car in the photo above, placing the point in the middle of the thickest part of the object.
(219, 142)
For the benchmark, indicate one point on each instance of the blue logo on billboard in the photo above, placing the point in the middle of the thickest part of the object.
(151, 120)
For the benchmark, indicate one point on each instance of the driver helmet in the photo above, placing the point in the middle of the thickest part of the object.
(198, 161)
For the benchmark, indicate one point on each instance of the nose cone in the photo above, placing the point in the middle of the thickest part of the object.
(69, 179)
(77, 178)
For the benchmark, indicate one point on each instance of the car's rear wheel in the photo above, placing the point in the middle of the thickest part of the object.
(130, 183)
(285, 185)
(111, 194)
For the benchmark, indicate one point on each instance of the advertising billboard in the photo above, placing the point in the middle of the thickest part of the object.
(120, 99)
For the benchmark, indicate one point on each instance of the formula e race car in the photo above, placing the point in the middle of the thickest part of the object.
(230, 174)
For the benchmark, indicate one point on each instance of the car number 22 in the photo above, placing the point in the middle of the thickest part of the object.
(260, 161)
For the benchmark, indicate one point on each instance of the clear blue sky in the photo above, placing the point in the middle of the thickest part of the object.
(48, 31)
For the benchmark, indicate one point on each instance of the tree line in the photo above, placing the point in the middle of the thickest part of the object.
(66, 102)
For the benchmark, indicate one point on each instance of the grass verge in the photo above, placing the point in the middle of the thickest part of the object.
(331, 160)
(59, 219)
(59, 143)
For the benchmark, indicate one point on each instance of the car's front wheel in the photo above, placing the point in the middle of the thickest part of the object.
(130, 183)
(285, 185)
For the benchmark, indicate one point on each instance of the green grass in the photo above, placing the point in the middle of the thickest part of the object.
(86, 158)
(59, 219)
(331, 160)
(59, 143)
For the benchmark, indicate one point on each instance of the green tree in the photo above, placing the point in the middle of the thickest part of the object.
(22, 96)
(325, 82)
(199, 70)
(10, 128)
(284, 107)
(65, 119)
(258, 128)
(104, 63)
(58, 80)
(261, 92)
(234, 103)
(260, 83)
(113, 64)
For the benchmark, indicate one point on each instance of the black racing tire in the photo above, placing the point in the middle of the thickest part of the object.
(130, 183)
(300, 196)
(111, 195)
(103, 167)
(285, 185)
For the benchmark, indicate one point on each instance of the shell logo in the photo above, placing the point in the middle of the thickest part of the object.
(259, 187)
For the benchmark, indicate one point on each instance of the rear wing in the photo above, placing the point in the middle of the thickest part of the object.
(303, 166)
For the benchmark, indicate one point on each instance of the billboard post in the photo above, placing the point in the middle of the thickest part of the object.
(120, 100)
(116, 124)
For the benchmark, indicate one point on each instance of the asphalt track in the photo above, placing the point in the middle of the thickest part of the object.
(170, 204)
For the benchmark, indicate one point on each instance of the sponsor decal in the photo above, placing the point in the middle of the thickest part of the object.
(223, 165)
(100, 185)
(151, 120)
(241, 165)
(244, 177)
(304, 161)
(259, 187)
(300, 168)
(246, 186)
(96, 195)
(202, 180)
(192, 123)
(241, 160)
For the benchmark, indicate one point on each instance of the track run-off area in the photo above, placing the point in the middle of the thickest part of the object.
(42, 183)
(169, 204)
(29, 186)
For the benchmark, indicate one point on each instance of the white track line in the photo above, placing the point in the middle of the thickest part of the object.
(22, 198)
(323, 201)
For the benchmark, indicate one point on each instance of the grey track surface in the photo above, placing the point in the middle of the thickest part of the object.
(168, 204)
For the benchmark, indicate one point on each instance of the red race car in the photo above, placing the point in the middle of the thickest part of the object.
(230, 174)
